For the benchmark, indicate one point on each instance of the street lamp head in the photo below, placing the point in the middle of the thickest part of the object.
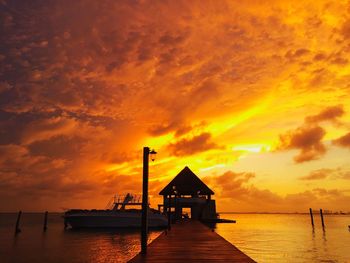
(152, 154)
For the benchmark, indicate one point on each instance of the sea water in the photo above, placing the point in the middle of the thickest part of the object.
(58, 245)
(289, 237)
(264, 237)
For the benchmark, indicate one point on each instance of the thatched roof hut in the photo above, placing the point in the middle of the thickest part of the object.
(186, 183)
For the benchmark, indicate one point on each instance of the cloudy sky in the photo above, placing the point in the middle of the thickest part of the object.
(252, 96)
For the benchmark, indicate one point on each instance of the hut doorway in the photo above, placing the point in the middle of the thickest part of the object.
(186, 212)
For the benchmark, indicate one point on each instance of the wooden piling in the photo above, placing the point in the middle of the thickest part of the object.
(45, 221)
(312, 218)
(169, 212)
(321, 214)
(17, 229)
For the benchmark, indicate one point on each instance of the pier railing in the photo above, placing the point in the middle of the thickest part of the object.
(128, 199)
(120, 199)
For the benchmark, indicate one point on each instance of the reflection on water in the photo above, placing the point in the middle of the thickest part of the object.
(265, 238)
(289, 238)
(59, 245)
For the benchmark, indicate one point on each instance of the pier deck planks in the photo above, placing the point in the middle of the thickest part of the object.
(191, 241)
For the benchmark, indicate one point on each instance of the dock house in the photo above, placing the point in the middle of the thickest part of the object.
(187, 192)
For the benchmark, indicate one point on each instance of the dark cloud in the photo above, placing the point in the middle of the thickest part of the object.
(180, 129)
(163, 129)
(61, 147)
(343, 141)
(328, 114)
(320, 56)
(190, 128)
(340, 61)
(24, 128)
(196, 144)
(307, 139)
(183, 130)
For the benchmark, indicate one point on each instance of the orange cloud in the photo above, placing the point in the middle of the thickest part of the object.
(237, 186)
(318, 174)
(327, 173)
(196, 144)
(343, 141)
(328, 114)
(306, 139)
(237, 190)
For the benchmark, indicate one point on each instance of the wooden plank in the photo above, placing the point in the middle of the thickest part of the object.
(191, 241)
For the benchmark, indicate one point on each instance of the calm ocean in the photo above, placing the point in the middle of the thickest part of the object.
(265, 238)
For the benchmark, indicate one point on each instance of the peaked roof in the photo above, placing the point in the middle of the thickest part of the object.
(187, 183)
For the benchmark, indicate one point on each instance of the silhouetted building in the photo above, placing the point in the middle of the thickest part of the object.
(186, 190)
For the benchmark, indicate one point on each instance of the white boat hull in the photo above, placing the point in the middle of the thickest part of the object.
(112, 219)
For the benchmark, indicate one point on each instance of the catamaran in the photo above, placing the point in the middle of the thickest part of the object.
(116, 214)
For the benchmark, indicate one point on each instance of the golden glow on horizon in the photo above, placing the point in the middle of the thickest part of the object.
(212, 167)
(229, 122)
(255, 148)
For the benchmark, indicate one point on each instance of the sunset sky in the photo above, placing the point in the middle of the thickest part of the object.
(253, 96)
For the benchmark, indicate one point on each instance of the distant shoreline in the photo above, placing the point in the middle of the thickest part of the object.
(286, 213)
(221, 213)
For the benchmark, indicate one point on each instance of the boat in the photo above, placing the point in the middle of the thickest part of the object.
(117, 215)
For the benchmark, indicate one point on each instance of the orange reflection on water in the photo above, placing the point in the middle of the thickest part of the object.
(110, 246)
(289, 237)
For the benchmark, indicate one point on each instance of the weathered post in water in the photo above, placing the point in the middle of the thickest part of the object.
(17, 229)
(45, 221)
(321, 214)
(312, 218)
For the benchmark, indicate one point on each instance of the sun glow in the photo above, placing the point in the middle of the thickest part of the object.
(221, 165)
(254, 148)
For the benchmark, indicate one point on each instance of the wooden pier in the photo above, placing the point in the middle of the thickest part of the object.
(191, 241)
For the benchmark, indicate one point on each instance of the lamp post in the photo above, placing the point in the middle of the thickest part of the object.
(144, 222)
